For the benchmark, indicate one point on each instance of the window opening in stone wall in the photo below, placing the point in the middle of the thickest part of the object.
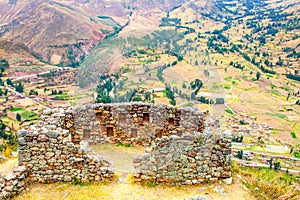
(110, 131)
(146, 117)
(158, 134)
(122, 118)
(86, 134)
(134, 132)
(171, 121)
(99, 115)
(179, 133)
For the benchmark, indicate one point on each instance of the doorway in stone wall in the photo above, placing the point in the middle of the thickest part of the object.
(120, 155)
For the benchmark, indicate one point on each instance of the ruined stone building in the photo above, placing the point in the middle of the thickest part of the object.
(184, 145)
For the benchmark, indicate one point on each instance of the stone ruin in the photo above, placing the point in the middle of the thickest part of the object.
(184, 146)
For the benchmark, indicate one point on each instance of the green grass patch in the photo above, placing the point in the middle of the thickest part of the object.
(253, 79)
(228, 78)
(284, 88)
(275, 92)
(234, 83)
(293, 134)
(274, 131)
(229, 111)
(227, 87)
(272, 86)
(256, 148)
(25, 114)
(28, 116)
(17, 109)
(297, 154)
(45, 103)
(279, 115)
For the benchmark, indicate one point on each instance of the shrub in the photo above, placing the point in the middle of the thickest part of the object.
(293, 134)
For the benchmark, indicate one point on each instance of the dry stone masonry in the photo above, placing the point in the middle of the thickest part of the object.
(135, 123)
(190, 159)
(50, 154)
(13, 183)
(185, 146)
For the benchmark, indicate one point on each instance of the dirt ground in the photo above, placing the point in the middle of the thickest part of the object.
(8, 166)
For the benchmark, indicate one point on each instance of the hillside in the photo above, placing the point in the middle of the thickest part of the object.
(63, 32)
(237, 59)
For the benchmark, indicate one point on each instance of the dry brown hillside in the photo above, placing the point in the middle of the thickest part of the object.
(63, 32)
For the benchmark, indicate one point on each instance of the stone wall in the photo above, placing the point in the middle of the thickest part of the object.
(50, 155)
(190, 159)
(135, 123)
(13, 183)
(184, 141)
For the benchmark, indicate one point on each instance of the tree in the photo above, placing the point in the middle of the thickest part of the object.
(137, 98)
(148, 96)
(18, 117)
(288, 96)
(240, 154)
(277, 166)
(53, 92)
(19, 88)
(9, 82)
(3, 65)
(270, 163)
(173, 102)
(258, 74)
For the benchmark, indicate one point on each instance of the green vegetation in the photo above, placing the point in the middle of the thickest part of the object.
(170, 94)
(19, 88)
(10, 140)
(3, 66)
(279, 115)
(229, 111)
(293, 134)
(28, 116)
(227, 87)
(25, 114)
(17, 109)
(228, 78)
